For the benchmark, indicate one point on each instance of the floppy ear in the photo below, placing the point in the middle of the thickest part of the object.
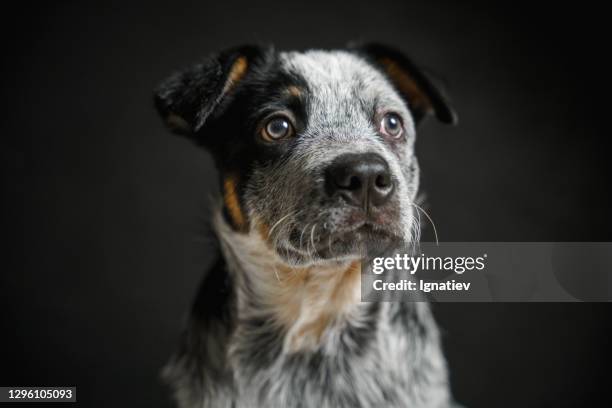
(422, 95)
(187, 98)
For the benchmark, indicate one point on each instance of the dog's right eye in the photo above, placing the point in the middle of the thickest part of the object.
(277, 128)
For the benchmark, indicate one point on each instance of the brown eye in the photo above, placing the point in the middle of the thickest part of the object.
(391, 125)
(277, 128)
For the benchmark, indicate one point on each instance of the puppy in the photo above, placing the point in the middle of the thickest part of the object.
(315, 152)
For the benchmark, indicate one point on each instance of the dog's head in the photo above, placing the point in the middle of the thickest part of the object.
(315, 149)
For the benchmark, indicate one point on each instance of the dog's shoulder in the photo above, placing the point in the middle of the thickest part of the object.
(198, 367)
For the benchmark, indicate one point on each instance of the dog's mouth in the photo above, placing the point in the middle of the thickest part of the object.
(358, 235)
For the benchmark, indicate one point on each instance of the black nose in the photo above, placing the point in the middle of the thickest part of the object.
(361, 179)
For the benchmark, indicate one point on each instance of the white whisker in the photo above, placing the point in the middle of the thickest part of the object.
(312, 232)
(278, 223)
(430, 220)
(276, 272)
(302, 237)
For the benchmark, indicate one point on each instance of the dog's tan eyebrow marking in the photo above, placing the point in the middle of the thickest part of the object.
(294, 91)
(236, 73)
(230, 198)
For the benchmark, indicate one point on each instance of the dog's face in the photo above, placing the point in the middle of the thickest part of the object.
(315, 149)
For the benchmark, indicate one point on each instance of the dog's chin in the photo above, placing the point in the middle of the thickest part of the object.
(354, 242)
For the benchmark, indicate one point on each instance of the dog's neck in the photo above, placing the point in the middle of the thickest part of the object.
(305, 302)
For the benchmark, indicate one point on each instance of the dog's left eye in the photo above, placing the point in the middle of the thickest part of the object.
(391, 125)
(277, 128)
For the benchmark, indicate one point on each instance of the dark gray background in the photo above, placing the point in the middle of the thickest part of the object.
(105, 212)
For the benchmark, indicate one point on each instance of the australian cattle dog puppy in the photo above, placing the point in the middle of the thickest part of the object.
(315, 153)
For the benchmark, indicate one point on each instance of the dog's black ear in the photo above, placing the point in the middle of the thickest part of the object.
(187, 98)
(423, 97)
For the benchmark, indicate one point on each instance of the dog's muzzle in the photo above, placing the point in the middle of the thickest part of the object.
(360, 212)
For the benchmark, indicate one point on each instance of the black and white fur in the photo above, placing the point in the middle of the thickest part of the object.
(278, 320)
